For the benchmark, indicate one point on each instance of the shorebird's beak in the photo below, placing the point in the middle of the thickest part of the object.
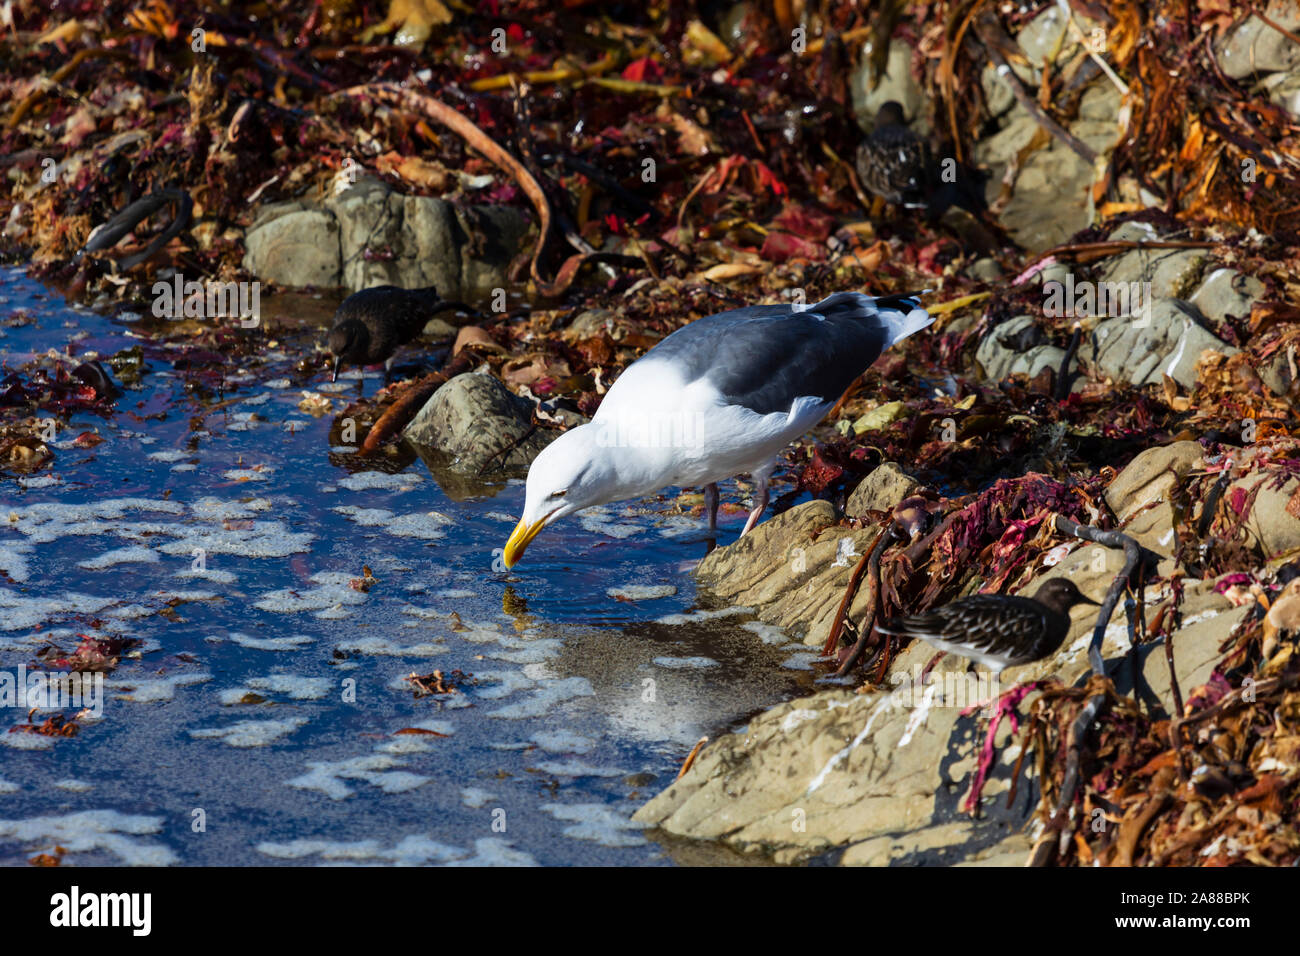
(1084, 599)
(520, 539)
(337, 360)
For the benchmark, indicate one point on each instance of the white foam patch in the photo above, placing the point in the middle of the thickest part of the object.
(472, 797)
(170, 456)
(332, 589)
(134, 554)
(90, 830)
(680, 526)
(383, 647)
(574, 767)
(154, 689)
(563, 742)
(367, 480)
(13, 561)
(599, 520)
(74, 786)
(597, 823)
(26, 741)
(259, 473)
(642, 592)
(428, 525)
(251, 733)
(40, 481)
(229, 509)
(366, 517)
(801, 662)
(542, 700)
(207, 574)
(375, 769)
(291, 643)
(292, 686)
(685, 663)
(412, 850)
(22, 613)
(691, 617)
(767, 633)
(494, 685)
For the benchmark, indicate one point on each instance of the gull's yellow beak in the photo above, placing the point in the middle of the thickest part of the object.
(520, 539)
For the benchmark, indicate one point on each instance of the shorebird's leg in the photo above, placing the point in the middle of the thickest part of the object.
(711, 505)
(388, 370)
(760, 505)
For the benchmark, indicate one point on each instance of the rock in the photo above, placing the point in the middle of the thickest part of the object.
(1143, 350)
(1269, 526)
(791, 569)
(1047, 38)
(997, 91)
(424, 241)
(370, 235)
(438, 328)
(896, 83)
(1173, 273)
(881, 490)
(1284, 90)
(998, 358)
(591, 322)
(1141, 495)
(1052, 199)
(1255, 47)
(880, 774)
(1280, 371)
(986, 269)
(471, 420)
(1227, 292)
(298, 248)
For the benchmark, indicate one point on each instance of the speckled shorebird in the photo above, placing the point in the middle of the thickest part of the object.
(894, 163)
(997, 631)
(719, 397)
(372, 323)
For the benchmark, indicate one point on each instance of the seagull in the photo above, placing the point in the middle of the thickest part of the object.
(370, 325)
(718, 397)
(997, 631)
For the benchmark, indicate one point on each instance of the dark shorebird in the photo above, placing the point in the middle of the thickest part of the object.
(897, 165)
(894, 163)
(371, 324)
(719, 397)
(997, 630)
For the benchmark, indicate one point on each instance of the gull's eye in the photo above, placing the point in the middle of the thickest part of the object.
(559, 494)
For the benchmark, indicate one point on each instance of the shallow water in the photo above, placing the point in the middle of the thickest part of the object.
(259, 721)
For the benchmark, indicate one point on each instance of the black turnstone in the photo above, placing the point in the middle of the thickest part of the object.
(997, 630)
(372, 323)
(894, 163)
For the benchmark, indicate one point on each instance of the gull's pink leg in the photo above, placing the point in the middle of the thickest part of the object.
(760, 505)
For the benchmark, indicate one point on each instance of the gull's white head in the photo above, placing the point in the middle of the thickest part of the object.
(573, 472)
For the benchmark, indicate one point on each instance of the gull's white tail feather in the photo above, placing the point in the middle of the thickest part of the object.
(902, 324)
